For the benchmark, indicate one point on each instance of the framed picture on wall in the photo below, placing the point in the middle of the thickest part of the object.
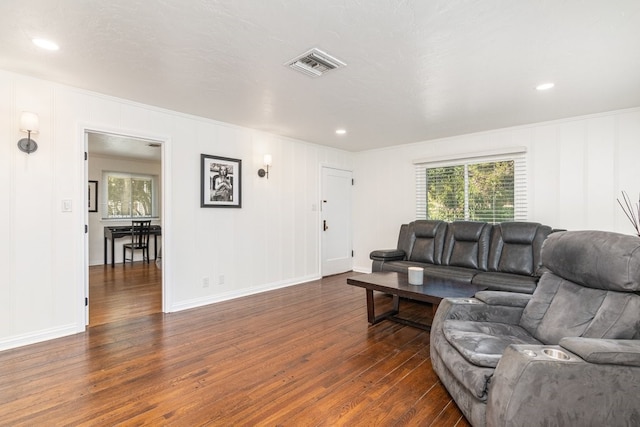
(220, 182)
(93, 196)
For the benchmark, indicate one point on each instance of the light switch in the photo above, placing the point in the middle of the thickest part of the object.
(66, 205)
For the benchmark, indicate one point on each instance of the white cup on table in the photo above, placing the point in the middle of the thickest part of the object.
(416, 275)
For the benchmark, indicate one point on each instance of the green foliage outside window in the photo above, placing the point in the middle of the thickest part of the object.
(445, 193)
(474, 192)
(129, 196)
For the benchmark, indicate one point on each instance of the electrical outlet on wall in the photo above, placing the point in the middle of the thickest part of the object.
(205, 282)
(221, 279)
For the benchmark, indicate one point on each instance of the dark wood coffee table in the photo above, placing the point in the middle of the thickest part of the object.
(432, 291)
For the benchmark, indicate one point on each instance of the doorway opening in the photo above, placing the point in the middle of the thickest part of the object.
(125, 175)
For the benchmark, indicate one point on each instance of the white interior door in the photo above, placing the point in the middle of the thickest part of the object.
(336, 221)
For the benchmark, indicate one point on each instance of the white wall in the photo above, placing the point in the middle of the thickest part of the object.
(272, 241)
(577, 168)
(97, 165)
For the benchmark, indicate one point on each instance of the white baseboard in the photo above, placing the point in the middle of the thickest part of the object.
(39, 336)
(229, 295)
(362, 269)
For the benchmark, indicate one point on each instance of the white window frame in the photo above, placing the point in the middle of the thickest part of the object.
(128, 175)
(515, 154)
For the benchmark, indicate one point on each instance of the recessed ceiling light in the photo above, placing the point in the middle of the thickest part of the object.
(46, 44)
(545, 86)
(341, 131)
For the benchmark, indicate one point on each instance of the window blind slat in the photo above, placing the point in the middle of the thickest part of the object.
(491, 189)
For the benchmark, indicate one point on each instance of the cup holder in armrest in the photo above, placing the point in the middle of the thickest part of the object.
(555, 354)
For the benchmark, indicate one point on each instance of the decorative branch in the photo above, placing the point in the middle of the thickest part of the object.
(632, 212)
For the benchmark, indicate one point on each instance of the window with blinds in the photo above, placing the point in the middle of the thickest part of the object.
(490, 189)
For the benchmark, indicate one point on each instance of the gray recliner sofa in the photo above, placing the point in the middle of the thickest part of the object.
(503, 257)
(568, 355)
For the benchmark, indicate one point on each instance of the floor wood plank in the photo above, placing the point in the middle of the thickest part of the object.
(123, 292)
(297, 356)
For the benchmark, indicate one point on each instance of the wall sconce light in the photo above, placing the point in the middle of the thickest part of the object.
(28, 124)
(267, 162)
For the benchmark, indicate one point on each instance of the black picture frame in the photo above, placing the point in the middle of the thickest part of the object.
(93, 196)
(220, 182)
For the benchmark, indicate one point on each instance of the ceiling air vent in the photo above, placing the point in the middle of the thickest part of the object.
(315, 63)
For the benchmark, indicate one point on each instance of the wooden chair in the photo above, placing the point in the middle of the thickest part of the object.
(139, 240)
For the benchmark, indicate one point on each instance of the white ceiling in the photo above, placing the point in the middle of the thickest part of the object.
(416, 70)
(110, 145)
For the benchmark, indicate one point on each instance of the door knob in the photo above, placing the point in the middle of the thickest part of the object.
(324, 225)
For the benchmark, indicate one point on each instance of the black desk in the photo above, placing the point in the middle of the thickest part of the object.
(116, 232)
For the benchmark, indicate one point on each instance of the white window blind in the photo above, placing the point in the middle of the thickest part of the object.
(490, 188)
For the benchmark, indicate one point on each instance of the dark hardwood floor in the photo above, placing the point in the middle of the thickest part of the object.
(123, 292)
(298, 356)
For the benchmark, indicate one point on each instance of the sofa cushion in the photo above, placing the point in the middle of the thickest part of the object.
(560, 308)
(482, 343)
(463, 275)
(467, 245)
(401, 266)
(473, 378)
(515, 247)
(405, 239)
(596, 259)
(448, 272)
(428, 241)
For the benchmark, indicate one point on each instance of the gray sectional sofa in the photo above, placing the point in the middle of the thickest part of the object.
(504, 257)
(568, 355)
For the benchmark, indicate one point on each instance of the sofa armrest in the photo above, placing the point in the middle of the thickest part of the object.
(509, 299)
(387, 255)
(529, 388)
(611, 352)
